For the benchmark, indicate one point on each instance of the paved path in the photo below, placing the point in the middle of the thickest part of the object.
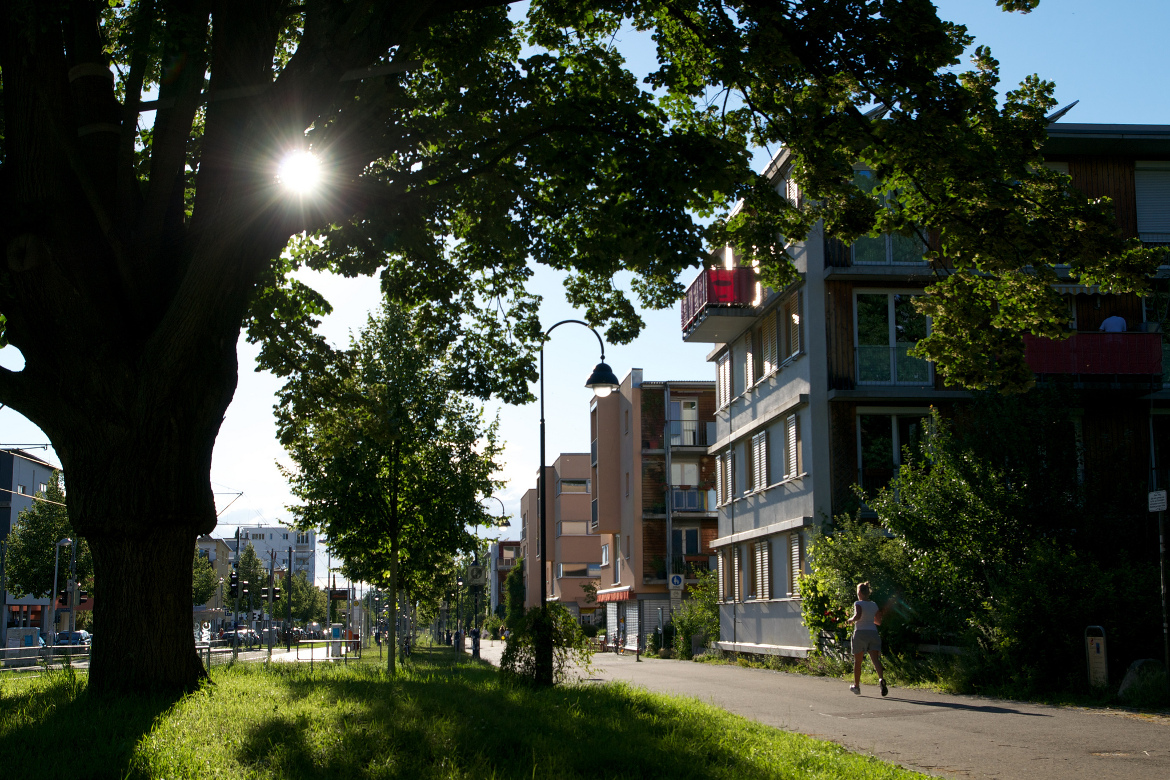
(951, 736)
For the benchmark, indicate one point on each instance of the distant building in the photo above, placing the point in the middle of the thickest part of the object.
(219, 554)
(503, 559)
(22, 476)
(265, 539)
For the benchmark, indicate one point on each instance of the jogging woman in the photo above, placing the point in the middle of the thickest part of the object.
(865, 620)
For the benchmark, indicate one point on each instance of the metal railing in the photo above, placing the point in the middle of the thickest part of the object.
(689, 565)
(25, 658)
(718, 287)
(883, 365)
(688, 433)
(1096, 353)
(688, 500)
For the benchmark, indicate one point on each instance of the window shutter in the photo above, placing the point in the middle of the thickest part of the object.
(1152, 193)
(718, 480)
(720, 573)
(724, 380)
(765, 589)
(792, 323)
(799, 448)
(769, 335)
(791, 464)
(759, 579)
(796, 559)
(729, 473)
(749, 368)
(736, 576)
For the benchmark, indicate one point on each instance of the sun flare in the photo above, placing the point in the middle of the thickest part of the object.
(300, 171)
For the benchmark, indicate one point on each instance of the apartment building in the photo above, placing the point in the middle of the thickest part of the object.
(22, 476)
(574, 547)
(816, 391)
(503, 555)
(279, 538)
(219, 554)
(654, 498)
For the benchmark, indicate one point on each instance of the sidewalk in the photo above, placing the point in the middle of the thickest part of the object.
(949, 736)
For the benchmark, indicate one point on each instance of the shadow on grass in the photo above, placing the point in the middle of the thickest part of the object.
(439, 719)
(53, 717)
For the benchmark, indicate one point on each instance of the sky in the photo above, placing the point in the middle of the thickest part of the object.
(1106, 54)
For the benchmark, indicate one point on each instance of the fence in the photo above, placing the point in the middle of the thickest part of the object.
(18, 658)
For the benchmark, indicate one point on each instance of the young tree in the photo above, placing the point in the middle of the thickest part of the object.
(391, 461)
(32, 541)
(204, 580)
(514, 591)
(252, 571)
(308, 601)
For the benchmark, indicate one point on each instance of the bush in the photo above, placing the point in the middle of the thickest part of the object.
(570, 645)
(492, 625)
(590, 630)
(698, 614)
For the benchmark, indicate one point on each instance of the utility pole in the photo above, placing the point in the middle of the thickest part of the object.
(288, 599)
(236, 610)
(72, 586)
(271, 586)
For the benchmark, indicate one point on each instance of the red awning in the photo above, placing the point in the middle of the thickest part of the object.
(622, 595)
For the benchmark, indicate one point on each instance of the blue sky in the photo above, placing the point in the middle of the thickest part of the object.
(1109, 54)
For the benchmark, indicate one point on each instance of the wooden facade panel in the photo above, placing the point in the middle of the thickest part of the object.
(839, 326)
(1111, 177)
(1093, 309)
(843, 449)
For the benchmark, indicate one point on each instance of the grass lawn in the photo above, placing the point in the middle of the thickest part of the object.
(437, 719)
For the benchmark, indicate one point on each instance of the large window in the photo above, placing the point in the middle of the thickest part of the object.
(888, 248)
(888, 326)
(578, 570)
(572, 528)
(685, 541)
(882, 440)
(684, 423)
(572, 486)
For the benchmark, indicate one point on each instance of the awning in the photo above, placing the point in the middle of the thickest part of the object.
(615, 594)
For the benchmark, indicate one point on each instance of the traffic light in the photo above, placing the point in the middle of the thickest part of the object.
(244, 588)
(264, 594)
(234, 589)
(275, 593)
(84, 597)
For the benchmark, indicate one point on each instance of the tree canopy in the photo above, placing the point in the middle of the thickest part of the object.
(31, 543)
(204, 580)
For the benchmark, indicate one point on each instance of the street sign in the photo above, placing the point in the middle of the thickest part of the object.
(676, 582)
(477, 575)
(338, 594)
(1157, 500)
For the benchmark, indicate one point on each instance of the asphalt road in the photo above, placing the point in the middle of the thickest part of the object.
(949, 736)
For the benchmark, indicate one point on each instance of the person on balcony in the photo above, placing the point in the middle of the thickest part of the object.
(1113, 324)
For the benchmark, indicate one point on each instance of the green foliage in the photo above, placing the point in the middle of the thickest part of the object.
(492, 626)
(699, 614)
(977, 546)
(31, 544)
(252, 571)
(204, 580)
(570, 645)
(309, 603)
(514, 592)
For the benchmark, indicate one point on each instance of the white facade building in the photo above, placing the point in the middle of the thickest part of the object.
(279, 538)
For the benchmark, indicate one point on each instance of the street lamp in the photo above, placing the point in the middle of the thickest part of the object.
(602, 382)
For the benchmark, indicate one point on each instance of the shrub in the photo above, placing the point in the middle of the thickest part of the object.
(570, 645)
(698, 614)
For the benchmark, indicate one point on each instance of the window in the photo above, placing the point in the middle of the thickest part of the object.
(1152, 193)
(685, 541)
(683, 473)
(22, 490)
(736, 574)
(796, 563)
(572, 527)
(751, 366)
(793, 460)
(605, 555)
(719, 494)
(684, 423)
(508, 552)
(881, 441)
(767, 338)
(617, 559)
(888, 248)
(762, 561)
(791, 332)
(758, 462)
(302, 538)
(43, 487)
(627, 483)
(284, 537)
(572, 486)
(578, 570)
(721, 574)
(888, 326)
(728, 476)
(723, 380)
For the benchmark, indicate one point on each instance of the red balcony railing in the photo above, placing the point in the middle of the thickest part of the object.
(1096, 353)
(729, 288)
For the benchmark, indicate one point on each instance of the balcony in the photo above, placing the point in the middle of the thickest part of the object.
(593, 517)
(882, 365)
(690, 565)
(718, 303)
(1096, 354)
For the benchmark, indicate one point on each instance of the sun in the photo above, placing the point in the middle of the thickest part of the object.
(300, 171)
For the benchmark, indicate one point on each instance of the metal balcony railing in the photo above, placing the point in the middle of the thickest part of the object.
(688, 433)
(718, 287)
(1096, 353)
(882, 365)
(593, 517)
(593, 453)
(690, 565)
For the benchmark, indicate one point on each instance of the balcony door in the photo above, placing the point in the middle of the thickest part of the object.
(684, 423)
(887, 326)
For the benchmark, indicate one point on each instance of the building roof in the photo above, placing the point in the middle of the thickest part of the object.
(1126, 140)
(22, 454)
(687, 382)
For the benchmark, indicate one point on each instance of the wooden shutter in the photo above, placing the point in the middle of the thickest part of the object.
(796, 560)
(791, 464)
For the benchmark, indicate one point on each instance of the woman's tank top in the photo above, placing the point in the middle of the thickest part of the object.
(868, 611)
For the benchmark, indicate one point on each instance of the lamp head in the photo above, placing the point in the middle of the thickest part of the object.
(602, 381)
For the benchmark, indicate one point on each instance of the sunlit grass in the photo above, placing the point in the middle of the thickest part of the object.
(437, 719)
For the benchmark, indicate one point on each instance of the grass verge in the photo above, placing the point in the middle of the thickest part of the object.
(437, 719)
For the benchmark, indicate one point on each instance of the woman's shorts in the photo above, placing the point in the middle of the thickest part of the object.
(866, 642)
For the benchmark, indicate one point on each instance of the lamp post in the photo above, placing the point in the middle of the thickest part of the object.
(56, 557)
(602, 382)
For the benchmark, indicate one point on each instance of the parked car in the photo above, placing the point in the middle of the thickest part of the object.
(73, 638)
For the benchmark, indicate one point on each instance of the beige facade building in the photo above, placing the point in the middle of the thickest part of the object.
(219, 554)
(574, 547)
(653, 497)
